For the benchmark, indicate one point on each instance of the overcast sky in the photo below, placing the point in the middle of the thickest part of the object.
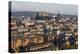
(44, 7)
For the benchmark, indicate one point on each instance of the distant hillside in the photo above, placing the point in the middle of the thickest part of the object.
(23, 13)
(29, 14)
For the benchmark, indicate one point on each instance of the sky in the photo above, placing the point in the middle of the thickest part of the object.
(44, 7)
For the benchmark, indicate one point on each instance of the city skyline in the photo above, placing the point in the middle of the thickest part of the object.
(45, 27)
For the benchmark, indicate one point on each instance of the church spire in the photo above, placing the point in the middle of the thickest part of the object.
(58, 14)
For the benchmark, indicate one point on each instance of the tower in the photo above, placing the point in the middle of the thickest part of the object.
(58, 14)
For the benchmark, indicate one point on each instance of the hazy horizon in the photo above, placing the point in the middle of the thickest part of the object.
(44, 7)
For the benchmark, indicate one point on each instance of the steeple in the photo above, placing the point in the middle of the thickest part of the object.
(58, 14)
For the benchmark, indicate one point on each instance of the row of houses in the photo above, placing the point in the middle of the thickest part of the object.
(38, 34)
